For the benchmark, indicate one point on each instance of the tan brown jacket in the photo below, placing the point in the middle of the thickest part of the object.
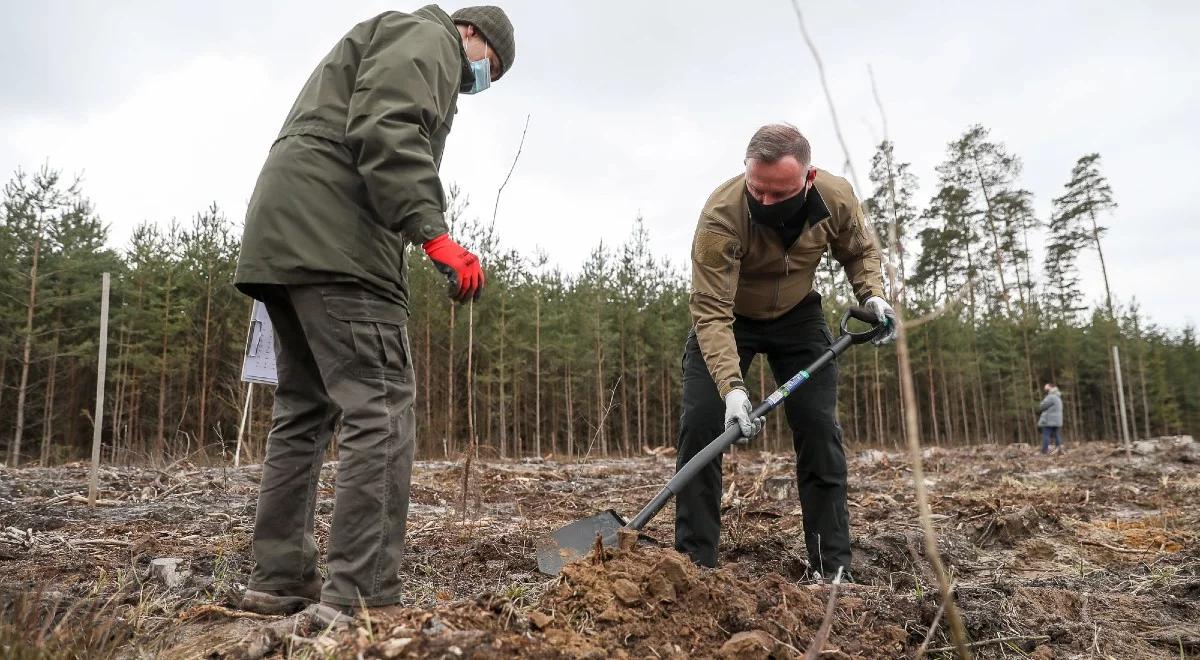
(741, 267)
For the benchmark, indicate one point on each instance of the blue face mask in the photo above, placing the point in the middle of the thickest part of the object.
(482, 70)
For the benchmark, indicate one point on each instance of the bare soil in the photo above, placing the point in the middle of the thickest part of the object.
(1085, 554)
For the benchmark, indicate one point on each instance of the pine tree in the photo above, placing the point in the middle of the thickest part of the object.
(1062, 274)
(209, 257)
(892, 202)
(1088, 195)
(30, 207)
(987, 171)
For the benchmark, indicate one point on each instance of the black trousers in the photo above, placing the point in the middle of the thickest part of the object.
(790, 343)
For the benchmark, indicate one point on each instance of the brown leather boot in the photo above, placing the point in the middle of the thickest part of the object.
(282, 601)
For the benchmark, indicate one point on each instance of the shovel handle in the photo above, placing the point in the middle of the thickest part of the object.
(734, 433)
(685, 473)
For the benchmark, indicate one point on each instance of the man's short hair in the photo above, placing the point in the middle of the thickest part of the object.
(774, 141)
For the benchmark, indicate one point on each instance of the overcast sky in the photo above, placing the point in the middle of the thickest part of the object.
(637, 107)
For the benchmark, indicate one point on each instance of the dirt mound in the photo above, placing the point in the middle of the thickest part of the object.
(647, 602)
(653, 602)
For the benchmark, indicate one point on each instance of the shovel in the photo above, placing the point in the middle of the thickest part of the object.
(578, 538)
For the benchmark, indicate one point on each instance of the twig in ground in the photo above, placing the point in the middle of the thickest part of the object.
(1132, 551)
(818, 642)
(907, 390)
(63, 498)
(466, 482)
(921, 650)
(603, 418)
(784, 644)
(473, 446)
(116, 542)
(598, 550)
(998, 640)
(99, 501)
(210, 608)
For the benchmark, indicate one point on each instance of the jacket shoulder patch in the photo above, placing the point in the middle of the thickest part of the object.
(713, 249)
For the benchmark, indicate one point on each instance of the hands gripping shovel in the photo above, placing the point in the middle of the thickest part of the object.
(578, 538)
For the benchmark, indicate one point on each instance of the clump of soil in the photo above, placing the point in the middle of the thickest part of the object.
(1014, 526)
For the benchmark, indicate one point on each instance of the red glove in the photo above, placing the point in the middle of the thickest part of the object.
(458, 265)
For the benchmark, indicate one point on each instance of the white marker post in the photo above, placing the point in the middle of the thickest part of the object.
(237, 452)
(98, 419)
(1121, 401)
(258, 366)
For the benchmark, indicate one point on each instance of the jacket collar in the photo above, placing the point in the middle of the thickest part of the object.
(814, 210)
(436, 13)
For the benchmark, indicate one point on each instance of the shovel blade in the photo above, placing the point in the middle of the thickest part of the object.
(576, 540)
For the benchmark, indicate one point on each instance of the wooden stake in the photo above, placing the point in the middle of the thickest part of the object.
(98, 418)
(237, 452)
(1121, 400)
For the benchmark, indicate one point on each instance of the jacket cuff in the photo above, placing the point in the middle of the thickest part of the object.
(871, 293)
(725, 387)
(425, 228)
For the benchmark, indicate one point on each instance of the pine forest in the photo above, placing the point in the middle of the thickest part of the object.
(584, 361)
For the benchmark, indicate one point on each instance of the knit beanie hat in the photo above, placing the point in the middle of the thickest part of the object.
(496, 28)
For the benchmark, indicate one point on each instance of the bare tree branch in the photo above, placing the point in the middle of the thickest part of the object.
(603, 417)
(907, 390)
(837, 127)
(942, 309)
(921, 650)
(878, 103)
(520, 146)
(818, 640)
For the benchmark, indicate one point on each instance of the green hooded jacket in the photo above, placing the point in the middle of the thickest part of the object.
(353, 175)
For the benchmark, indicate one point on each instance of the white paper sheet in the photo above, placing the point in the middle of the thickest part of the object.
(259, 363)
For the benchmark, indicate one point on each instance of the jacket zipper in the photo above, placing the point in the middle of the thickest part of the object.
(787, 270)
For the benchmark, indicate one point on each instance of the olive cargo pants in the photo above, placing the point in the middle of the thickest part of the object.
(340, 350)
(790, 343)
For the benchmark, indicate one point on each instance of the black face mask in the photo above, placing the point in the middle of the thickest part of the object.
(775, 215)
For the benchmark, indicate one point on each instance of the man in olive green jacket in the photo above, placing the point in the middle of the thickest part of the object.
(351, 179)
(758, 244)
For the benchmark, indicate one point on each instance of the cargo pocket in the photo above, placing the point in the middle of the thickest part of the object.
(375, 331)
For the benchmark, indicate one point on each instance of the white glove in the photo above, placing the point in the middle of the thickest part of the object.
(737, 411)
(886, 315)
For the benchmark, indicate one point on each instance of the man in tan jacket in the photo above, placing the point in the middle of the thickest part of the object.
(758, 244)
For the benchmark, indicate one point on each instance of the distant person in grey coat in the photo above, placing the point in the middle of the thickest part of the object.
(1051, 419)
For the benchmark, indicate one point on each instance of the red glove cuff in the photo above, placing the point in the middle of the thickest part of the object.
(458, 264)
(434, 244)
